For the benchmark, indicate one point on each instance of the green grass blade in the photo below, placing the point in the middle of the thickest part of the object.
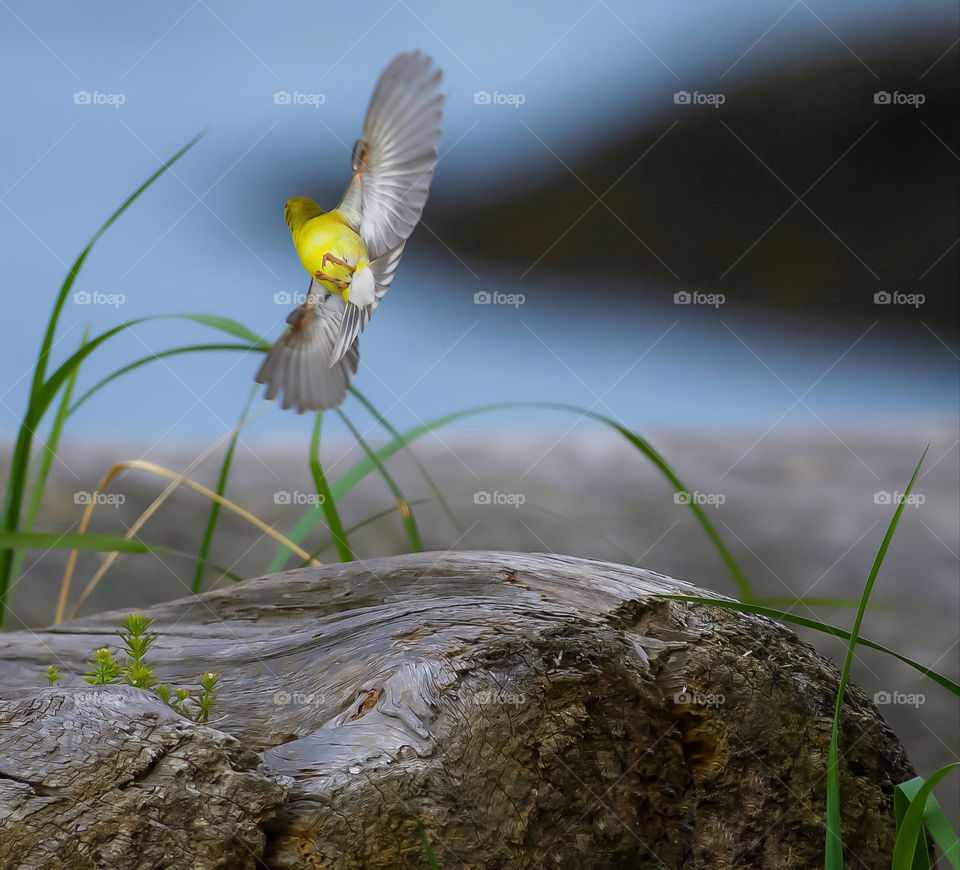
(403, 506)
(52, 385)
(661, 464)
(20, 459)
(326, 497)
(227, 325)
(47, 392)
(824, 627)
(73, 541)
(39, 372)
(365, 466)
(383, 421)
(903, 795)
(190, 348)
(628, 558)
(379, 515)
(345, 483)
(935, 821)
(427, 849)
(833, 847)
(909, 832)
(46, 463)
(211, 527)
(97, 543)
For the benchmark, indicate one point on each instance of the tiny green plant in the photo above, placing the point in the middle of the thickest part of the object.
(208, 694)
(427, 849)
(136, 637)
(173, 699)
(137, 640)
(104, 670)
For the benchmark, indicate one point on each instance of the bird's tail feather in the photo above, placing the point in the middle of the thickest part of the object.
(298, 365)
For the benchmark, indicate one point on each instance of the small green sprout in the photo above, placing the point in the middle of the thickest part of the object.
(139, 675)
(208, 687)
(104, 669)
(173, 699)
(137, 639)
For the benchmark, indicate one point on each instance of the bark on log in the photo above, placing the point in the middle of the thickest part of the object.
(517, 710)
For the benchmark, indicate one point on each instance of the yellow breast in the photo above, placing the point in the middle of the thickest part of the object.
(323, 234)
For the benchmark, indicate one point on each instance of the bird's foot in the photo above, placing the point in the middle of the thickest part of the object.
(337, 282)
(328, 257)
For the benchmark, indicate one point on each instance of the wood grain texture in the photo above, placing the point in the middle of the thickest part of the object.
(525, 709)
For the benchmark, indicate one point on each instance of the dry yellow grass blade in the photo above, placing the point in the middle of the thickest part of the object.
(160, 499)
(176, 480)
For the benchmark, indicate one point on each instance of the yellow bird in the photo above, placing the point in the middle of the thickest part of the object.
(352, 252)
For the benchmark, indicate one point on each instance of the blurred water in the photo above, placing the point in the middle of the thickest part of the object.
(433, 348)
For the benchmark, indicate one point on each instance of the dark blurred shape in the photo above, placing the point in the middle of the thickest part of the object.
(711, 204)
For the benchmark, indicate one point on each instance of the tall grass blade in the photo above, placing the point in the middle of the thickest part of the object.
(176, 480)
(97, 543)
(383, 421)
(403, 506)
(39, 372)
(20, 460)
(327, 502)
(211, 526)
(910, 829)
(174, 351)
(427, 848)
(365, 466)
(75, 541)
(224, 324)
(46, 463)
(379, 515)
(833, 847)
(628, 558)
(934, 820)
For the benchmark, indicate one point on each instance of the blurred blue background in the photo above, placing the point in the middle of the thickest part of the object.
(210, 237)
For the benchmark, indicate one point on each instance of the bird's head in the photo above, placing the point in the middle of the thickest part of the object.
(300, 209)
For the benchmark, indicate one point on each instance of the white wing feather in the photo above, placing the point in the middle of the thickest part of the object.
(298, 365)
(397, 153)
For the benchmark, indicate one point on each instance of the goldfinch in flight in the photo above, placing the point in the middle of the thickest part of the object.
(352, 252)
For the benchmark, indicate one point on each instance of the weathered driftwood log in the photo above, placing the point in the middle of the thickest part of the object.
(510, 710)
(109, 776)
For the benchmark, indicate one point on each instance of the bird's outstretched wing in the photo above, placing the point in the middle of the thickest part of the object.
(397, 153)
(299, 363)
(369, 283)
